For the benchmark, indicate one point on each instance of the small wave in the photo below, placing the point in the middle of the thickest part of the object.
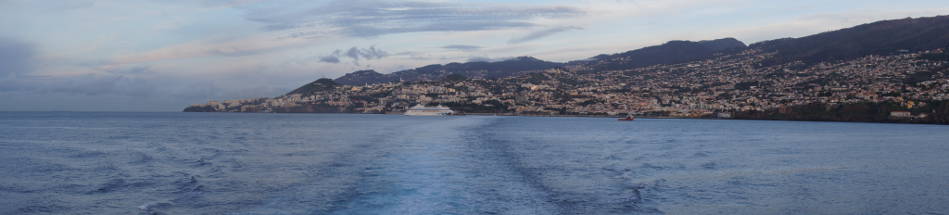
(661, 167)
(151, 206)
(710, 165)
(614, 157)
(747, 182)
(16, 189)
(69, 188)
(118, 184)
(88, 154)
(700, 154)
(189, 184)
(39, 167)
(202, 162)
(41, 209)
(120, 137)
(43, 206)
(638, 197)
(139, 158)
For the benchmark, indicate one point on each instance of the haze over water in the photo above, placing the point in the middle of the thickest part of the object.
(198, 163)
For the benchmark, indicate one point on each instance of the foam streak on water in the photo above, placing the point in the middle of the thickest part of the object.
(199, 163)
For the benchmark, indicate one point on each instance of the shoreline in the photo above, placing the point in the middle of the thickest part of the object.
(597, 116)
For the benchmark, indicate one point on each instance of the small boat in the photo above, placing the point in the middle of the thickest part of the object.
(628, 118)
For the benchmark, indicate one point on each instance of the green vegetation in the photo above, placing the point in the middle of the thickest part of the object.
(931, 112)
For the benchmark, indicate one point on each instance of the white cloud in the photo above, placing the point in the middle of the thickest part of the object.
(369, 18)
(238, 47)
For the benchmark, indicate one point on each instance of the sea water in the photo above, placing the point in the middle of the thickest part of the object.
(218, 163)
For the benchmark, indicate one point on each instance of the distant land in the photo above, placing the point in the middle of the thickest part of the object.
(886, 71)
(488, 70)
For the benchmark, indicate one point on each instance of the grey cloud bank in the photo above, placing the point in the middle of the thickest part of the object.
(368, 18)
(543, 33)
(355, 54)
(462, 47)
(16, 57)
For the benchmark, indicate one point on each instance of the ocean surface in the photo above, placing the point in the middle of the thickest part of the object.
(218, 163)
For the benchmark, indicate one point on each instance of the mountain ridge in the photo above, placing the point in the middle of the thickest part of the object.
(884, 37)
(672, 52)
(436, 72)
(675, 51)
(863, 73)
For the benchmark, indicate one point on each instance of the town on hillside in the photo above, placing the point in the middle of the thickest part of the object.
(810, 78)
(725, 86)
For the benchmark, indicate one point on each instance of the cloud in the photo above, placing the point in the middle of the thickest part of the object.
(367, 18)
(488, 59)
(98, 92)
(462, 47)
(253, 45)
(212, 3)
(139, 88)
(50, 5)
(480, 59)
(127, 81)
(355, 54)
(16, 57)
(135, 70)
(542, 33)
(370, 53)
(330, 59)
(227, 3)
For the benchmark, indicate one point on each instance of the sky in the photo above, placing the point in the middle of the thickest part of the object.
(163, 55)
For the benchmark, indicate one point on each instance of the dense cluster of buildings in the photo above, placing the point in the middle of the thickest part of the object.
(718, 86)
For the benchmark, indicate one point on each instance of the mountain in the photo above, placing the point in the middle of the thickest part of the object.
(672, 52)
(366, 77)
(888, 71)
(437, 72)
(321, 85)
(878, 38)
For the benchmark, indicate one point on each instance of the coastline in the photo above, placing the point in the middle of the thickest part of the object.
(711, 118)
(611, 117)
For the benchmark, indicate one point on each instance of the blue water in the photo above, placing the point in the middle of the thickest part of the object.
(207, 163)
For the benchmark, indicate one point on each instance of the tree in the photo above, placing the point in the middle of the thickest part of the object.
(456, 77)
